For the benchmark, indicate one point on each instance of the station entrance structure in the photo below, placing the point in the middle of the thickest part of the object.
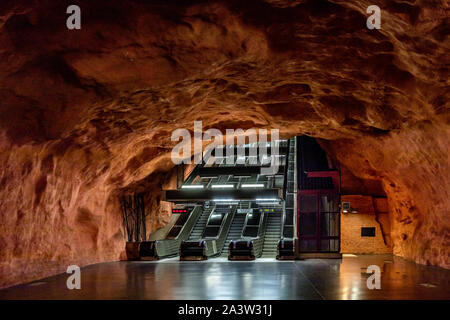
(228, 208)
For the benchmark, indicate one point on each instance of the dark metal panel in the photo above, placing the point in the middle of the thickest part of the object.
(205, 195)
(237, 171)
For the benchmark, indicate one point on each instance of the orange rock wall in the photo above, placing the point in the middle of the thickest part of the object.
(351, 224)
(87, 115)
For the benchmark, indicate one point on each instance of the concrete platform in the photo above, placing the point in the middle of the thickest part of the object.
(260, 279)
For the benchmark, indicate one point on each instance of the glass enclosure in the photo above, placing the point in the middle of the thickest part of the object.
(318, 221)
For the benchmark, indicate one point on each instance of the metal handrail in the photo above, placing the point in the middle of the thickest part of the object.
(221, 224)
(221, 238)
(286, 169)
(245, 224)
(258, 240)
(283, 219)
(169, 247)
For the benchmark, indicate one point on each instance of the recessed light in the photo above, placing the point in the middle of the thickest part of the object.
(192, 186)
(253, 185)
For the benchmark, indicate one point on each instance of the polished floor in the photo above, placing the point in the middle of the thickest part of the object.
(262, 279)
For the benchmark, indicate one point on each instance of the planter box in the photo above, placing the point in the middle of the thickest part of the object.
(132, 250)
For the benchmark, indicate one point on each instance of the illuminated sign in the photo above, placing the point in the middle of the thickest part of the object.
(179, 210)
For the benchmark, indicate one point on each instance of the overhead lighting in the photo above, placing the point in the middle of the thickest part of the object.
(214, 186)
(192, 186)
(252, 185)
(227, 200)
(270, 199)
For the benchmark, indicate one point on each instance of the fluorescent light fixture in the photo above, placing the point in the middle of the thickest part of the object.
(217, 200)
(252, 185)
(222, 186)
(271, 199)
(192, 186)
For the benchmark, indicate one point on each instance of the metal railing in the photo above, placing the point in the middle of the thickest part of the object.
(169, 247)
(254, 245)
(214, 245)
(258, 242)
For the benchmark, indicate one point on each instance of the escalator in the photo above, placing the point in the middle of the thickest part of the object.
(286, 245)
(207, 239)
(180, 231)
(290, 191)
(249, 245)
(235, 232)
(272, 234)
(197, 231)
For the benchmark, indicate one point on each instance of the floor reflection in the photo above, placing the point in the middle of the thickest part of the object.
(264, 279)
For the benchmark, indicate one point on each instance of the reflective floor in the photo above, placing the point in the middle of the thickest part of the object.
(261, 279)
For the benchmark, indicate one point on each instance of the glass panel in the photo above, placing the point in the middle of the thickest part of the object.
(329, 203)
(211, 232)
(250, 231)
(334, 225)
(308, 224)
(331, 245)
(308, 245)
(329, 224)
(279, 181)
(308, 202)
(324, 224)
(182, 219)
(216, 219)
(334, 245)
(290, 199)
(253, 218)
(289, 217)
(288, 232)
(174, 232)
(325, 245)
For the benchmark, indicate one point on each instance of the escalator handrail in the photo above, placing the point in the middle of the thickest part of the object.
(283, 219)
(286, 169)
(242, 237)
(260, 239)
(221, 238)
(257, 242)
(221, 224)
(163, 244)
(189, 225)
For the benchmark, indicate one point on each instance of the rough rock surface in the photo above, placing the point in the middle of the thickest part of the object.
(87, 114)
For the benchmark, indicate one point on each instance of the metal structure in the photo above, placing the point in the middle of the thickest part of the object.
(318, 200)
(240, 213)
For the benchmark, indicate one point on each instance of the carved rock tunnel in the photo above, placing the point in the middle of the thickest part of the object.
(87, 115)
